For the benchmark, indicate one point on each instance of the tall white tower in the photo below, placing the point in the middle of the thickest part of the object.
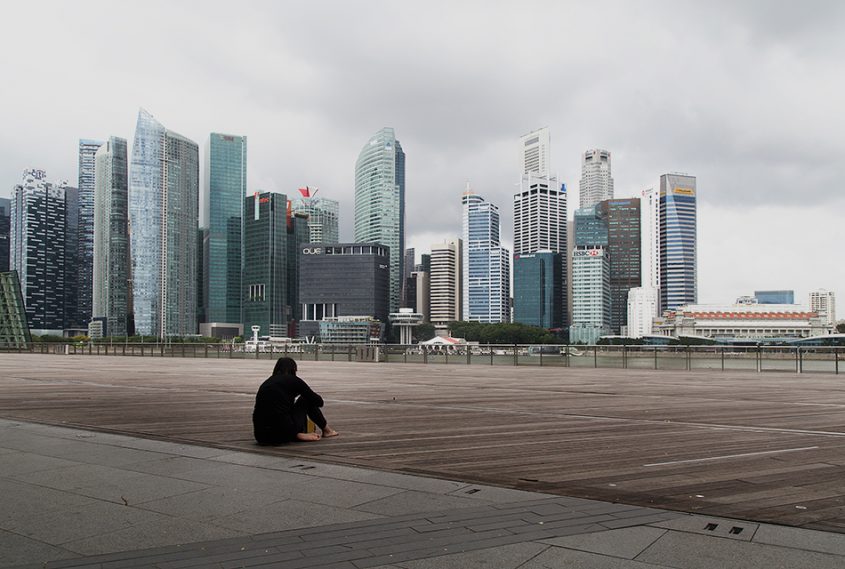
(824, 303)
(535, 151)
(445, 284)
(596, 181)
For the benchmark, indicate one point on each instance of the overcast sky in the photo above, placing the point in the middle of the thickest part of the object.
(745, 96)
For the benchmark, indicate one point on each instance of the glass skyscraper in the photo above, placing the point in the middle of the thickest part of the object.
(221, 215)
(623, 244)
(111, 237)
(163, 215)
(84, 272)
(380, 202)
(38, 247)
(536, 283)
(486, 278)
(678, 247)
(266, 265)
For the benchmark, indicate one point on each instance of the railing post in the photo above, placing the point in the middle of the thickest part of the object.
(689, 358)
(490, 347)
(836, 360)
(316, 352)
(446, 352)
(722, 349)
(655, 357)
(759, 359)
(595, 356)
(797, 356)
(800, 360)
(541, 356)
(624, 356)
(566, 356)
(469, 355)
(425, 356)
(515, 356)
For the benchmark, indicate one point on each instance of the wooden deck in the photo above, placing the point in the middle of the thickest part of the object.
(764, 447)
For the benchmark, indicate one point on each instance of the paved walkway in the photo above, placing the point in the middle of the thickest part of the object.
(75, 498)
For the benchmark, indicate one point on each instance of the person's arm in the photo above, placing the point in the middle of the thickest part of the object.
(311, 397)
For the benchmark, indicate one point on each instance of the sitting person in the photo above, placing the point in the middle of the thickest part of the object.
(283, 405)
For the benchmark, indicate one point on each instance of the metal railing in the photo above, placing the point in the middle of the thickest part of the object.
(720, 358)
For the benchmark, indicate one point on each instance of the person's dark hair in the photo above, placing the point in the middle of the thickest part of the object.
(285, 366)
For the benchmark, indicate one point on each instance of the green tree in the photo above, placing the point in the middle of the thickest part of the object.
(511, 333)
(423, 332)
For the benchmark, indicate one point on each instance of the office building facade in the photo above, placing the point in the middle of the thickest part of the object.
(590, 294)
(596, 179)
(266, 301)
(624, 245)
(110, 286)
(445, 284)
(539, 222)
(380, 202)
(537, 298)
(323, 216)
(163, 215)
(642, 308)
(85, 231)
(678, 241)
(37, 250)
(221, 218)
(823, 302)
(486, 275)
(343, 282)
(5, 228)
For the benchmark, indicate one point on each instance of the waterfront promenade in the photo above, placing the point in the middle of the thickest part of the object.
(580, 450)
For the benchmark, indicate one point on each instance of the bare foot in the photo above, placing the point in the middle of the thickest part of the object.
(329, 432)
(307, 437)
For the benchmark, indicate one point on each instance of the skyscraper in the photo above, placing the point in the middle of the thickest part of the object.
(678, 247)
(536, 283)
(38, 244)
(823, 302)
(486, 278)
(590, 294)
(5, 225)
(72, 251)
(84, 264)
(221, 215)
(380, 202)
(265, 274)
(623, 244)
(596, 181)
(323, 215)
(111, 237)
(163, 215)
(535, 152)
(446, 302)
(539, 223)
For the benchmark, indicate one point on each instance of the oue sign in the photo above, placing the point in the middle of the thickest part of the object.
(312, 251)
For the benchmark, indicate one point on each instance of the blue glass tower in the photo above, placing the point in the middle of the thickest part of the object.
(163, 214)
(678, 248)
(486, 278)
(221, 215)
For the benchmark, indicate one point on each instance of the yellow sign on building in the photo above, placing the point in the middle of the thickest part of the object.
(684, 191)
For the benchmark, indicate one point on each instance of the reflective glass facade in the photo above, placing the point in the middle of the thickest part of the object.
(322, 218)
(486, 277)
(678, 248)
(163, 214)
(536, 284)
(265, 274)
(111, 237)
(224, 191)
(775, 296)
(380, 202)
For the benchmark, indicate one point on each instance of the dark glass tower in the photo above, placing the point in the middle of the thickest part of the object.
(537, 299)
(221, 216)
(265, 269)
(624, 244)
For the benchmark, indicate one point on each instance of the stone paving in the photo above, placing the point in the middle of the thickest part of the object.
(76, 498)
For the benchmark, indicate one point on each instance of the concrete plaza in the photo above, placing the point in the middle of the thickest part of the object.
(131, 462)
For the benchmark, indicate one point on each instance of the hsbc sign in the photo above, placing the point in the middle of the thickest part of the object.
(312, 251)
(587, 253)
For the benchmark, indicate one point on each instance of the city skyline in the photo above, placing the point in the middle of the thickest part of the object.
(748, 107)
